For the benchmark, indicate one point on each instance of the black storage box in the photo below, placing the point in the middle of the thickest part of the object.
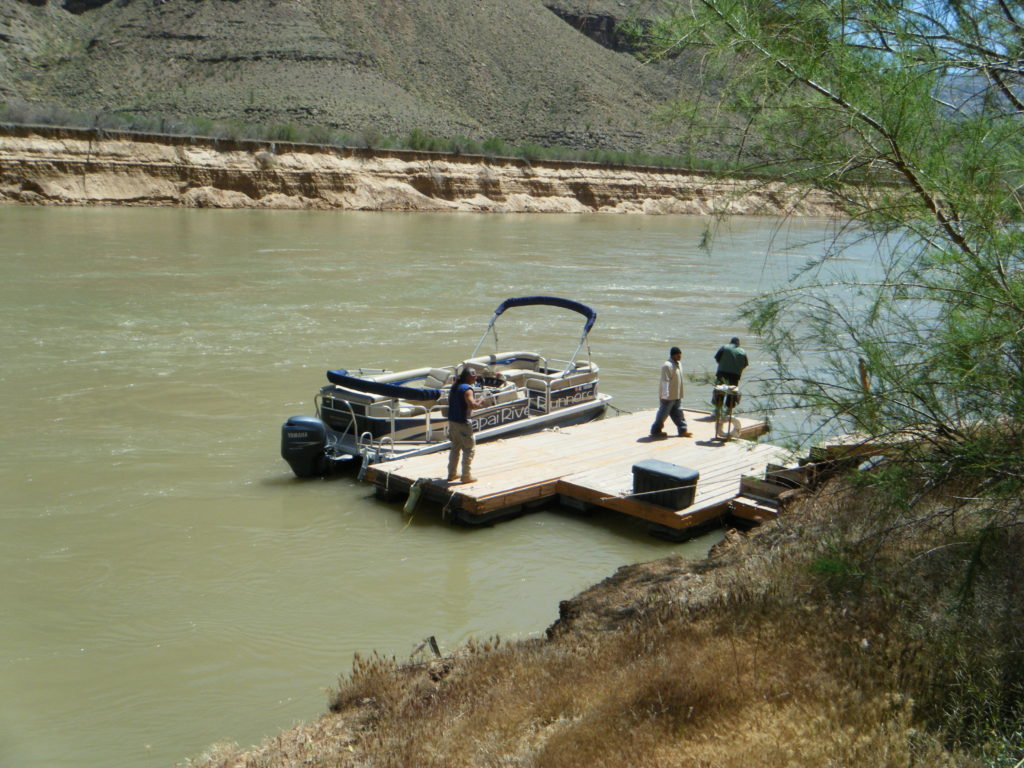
(676, 485)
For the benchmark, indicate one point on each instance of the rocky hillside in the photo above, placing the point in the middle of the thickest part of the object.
(554, 72)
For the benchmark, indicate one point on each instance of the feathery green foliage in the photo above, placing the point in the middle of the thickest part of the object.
(922, 100)
(911, 111)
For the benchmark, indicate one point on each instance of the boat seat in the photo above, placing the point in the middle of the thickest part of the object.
(360, 398)
(559, 379)
(516, 375)
(546, 375)
(582, 376)
(503, 361)
(400, 409)
(506, 396)
(438, 378)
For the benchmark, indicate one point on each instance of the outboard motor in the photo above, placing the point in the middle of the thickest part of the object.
(304, 441)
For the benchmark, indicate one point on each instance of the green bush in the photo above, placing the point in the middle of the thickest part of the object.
(495, 147)
(285, 132)
(530, 152)
(417, 140)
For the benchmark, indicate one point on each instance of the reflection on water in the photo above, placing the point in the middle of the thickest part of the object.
(168, 584)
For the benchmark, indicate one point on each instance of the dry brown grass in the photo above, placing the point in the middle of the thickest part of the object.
(703, 696)
(790, 653)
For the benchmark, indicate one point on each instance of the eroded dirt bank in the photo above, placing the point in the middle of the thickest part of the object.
(76, 167)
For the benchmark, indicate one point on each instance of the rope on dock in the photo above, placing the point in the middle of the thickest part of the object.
(645, 493)
(711, 478)
(446, 510)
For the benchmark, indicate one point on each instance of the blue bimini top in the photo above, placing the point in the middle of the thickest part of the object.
(340, 377)
(553, 301)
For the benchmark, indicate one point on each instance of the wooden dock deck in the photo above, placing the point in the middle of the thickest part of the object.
(588, 465)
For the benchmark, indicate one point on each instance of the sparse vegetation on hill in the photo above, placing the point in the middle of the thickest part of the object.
(516, 70)
(20, 113)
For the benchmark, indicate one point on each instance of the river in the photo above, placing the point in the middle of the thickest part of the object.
(167, 582)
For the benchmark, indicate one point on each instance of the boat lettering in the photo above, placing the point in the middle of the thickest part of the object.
(564, 398)
(501, 416)
(294, 435)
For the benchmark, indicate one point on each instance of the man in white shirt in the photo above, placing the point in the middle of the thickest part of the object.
(670, 394)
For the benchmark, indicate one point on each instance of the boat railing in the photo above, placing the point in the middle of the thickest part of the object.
(533, 384)
(545, 383)
(395, 409)
(366, 449)
(392, 409)
(498, 397)
(352, 422)
(428, 422)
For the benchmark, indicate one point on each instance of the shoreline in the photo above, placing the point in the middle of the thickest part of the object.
(41, 165)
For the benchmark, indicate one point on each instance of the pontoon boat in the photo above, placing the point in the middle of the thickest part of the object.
(380, 415)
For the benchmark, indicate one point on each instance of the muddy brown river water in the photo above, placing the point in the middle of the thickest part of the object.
(167, 582)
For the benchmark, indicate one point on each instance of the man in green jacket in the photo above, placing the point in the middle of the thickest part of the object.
(731, 359)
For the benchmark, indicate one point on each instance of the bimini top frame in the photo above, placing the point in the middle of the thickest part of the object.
(553, 301)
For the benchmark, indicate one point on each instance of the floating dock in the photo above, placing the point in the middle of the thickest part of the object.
(591, 466)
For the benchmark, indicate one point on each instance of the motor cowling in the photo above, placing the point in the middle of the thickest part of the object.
(304, 442)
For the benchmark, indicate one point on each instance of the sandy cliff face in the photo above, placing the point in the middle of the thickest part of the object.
(51, 166)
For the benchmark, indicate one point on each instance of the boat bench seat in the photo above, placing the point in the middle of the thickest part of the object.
(506, 396)
(517, 376)
(354, 396)
(438, 378)
(398, 408)
(535, 378)
(558, 380)
(502, 362)
(576, 378)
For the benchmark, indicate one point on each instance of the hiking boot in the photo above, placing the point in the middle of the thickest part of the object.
(686, 433)
(658, 434)
(468, 479)
(453, 476)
